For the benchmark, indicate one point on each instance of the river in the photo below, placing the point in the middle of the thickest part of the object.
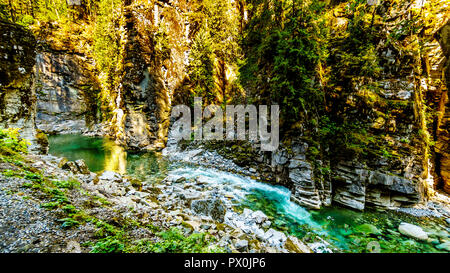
(345, 230)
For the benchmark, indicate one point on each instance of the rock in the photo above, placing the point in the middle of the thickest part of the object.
(213, 208)
(202, 180)
(378, 123)
(246, 213)
(73, 247)
(17, 81)
(433, 241)
(447, 220)
(412, 231)
(259, 217)
(444, 246)
(279, 157)
(70, 166)
(293, 244)
(110, 176)
(205, 226)
(274, 238)
(404, 186)
(259, 234)
(87, 179)
(241, 245)
(305, 189)
(320, 247)
(442, 234)
(64, 102)
(175, 178)
(379, 178)
(266, 224)
(193, 225)
(82, 166)
(190, 195)
(62, 161)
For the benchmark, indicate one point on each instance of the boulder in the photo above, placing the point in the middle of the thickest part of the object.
(213, 208)
(412, 231)
(274, 237)
(241, 245)
(259, 217)
(293, 244)
(266, 224)
(202, 180)
(368, 229)
(70, 166)
(193, 225)
(175, 178)
(110, 176)
(83, 168)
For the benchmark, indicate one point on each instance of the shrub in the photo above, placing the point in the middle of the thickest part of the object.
(11, 143)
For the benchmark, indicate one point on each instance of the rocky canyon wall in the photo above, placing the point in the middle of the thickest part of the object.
(441, 71)
(155, 63)
(17, 81)
(66, 93)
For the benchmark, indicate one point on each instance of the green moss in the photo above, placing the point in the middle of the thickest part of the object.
(67, 184)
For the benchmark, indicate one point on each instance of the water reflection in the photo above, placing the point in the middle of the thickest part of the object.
(115, 158)
(104, 154)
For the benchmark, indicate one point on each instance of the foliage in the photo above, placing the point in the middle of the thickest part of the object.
(215, 49)
(108, 245)
(201, 66)
(284, 44)
(174, 241)
(66, 184)
(350, 136)
(108, 51)
(26, 12)
(11, 143)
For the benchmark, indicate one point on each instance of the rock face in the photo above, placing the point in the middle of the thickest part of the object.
(440, 67)
(308, 191)
(66, 92)
(357, 187)
(17, 81)
(155, 71)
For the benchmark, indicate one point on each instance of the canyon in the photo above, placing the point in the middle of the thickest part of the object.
(380, 140)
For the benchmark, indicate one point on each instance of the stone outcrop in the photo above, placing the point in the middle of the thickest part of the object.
(66, 92)
(357, 187)
(352, 184)
(155, 67)
(441, 70)
(307, 191)
(17, 81)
